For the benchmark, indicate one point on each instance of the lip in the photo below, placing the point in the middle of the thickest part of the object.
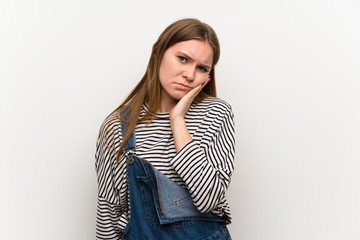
(182, 86)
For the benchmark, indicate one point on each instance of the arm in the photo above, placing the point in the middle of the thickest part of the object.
(206, 163)
(111, 218)
(177, 119)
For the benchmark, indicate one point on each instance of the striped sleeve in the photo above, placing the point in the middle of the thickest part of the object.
(206, 163)
(111, 215)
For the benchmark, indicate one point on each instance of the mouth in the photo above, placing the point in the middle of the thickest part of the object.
(183, 86)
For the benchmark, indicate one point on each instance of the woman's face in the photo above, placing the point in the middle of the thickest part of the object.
(184, 66)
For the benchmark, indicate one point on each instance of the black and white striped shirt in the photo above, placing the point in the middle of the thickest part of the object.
(204, 166)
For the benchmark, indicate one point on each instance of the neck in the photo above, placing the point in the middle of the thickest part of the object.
(166, 106)
(166, 103)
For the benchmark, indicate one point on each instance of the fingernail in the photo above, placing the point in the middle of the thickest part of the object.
(203, 84)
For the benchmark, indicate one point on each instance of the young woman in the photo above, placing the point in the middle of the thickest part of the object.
(164, 157)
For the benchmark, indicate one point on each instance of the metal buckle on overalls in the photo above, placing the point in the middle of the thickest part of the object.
(129, 155)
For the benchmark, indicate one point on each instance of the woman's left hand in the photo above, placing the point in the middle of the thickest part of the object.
(179, 110)
(177, 118)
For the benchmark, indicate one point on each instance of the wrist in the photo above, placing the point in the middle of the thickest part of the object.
(177, 120)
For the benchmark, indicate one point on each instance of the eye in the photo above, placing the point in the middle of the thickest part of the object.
(182, 59)
(203, 69)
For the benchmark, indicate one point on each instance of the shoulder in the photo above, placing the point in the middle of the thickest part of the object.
(213, 105)
(110, 127)
(217, 103)
(108, 142)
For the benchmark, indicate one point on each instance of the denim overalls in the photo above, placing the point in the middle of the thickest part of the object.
(161, 209)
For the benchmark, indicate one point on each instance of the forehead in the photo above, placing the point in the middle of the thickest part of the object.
(198, 50)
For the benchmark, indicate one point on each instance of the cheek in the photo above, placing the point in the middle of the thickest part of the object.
(165, 71)
(202, 78)
(163, 77)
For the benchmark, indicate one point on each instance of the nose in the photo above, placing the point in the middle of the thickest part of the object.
(189, 73)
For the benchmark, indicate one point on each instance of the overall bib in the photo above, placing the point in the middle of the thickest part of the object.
(161, 209)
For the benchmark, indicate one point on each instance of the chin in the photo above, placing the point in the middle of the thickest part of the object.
(178, 96)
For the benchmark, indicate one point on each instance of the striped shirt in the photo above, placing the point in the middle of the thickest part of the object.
(203, 166)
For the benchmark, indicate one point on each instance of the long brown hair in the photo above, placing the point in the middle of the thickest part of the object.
(148, 90)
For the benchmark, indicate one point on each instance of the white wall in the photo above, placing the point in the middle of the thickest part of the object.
(290, 69)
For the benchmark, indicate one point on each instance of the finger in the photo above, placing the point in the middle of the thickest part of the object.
(204, 83)
(194, 92)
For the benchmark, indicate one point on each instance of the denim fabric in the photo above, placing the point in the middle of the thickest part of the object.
(176, 201)
(161, 209)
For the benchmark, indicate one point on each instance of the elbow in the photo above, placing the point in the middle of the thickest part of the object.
(207, 206)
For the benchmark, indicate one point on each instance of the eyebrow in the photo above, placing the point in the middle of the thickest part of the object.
(186, 55)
